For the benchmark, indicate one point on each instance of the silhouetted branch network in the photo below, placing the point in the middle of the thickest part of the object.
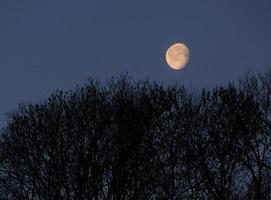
(141, 140)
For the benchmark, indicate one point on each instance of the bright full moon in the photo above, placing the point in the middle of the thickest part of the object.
(177, 56)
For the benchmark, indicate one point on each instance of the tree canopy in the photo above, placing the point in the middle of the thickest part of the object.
(135, 140)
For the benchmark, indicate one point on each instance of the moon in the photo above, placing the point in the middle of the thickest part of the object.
(177, 56)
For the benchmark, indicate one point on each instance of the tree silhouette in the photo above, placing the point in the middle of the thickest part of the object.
(134, 140)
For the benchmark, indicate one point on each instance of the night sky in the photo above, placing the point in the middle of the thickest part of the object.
(56, 44)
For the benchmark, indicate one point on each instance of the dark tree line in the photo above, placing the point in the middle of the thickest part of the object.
(141, 140)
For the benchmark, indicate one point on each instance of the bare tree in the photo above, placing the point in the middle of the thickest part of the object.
(134, 140)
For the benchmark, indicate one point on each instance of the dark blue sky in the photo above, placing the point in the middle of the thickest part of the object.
(51, 44)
